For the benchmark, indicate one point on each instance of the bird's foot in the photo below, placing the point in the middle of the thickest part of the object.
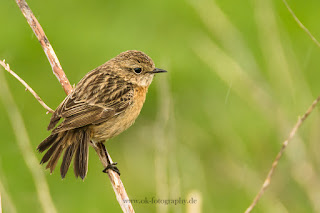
(113, 167)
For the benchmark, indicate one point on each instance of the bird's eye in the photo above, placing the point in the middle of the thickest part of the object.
(137, 70)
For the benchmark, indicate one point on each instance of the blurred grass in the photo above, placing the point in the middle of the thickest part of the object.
(240, 73)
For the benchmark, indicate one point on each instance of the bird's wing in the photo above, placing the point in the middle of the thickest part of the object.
(95, 99)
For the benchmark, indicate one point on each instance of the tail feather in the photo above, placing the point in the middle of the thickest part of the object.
(54, 159)
(67, 157)
(47, 142)
(76, 163)
(49, 153)
(81, 156)
(74, 142)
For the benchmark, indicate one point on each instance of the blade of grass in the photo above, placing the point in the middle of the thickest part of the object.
(25, 147)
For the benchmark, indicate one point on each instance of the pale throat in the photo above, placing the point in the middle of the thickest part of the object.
(145, 82)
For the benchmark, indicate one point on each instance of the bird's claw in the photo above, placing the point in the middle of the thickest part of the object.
(112, 166)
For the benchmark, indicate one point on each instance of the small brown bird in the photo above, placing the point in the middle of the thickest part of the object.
(103, 104)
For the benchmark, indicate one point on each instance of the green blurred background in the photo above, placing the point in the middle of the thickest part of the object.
(240, 74)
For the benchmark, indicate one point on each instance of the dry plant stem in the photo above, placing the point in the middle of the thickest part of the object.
(295, 128)
(7, 67)
(115, 180)
(47, 48)
(25, 147)
(279, 155)
(300, 24)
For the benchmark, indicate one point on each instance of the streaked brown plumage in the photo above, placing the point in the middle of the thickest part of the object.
(102, 105)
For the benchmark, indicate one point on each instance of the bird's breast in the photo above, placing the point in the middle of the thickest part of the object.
(124, 120)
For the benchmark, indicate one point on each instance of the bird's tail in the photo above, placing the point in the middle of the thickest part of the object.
(74, 142)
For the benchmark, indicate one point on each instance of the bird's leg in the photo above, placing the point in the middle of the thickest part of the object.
(112, 165)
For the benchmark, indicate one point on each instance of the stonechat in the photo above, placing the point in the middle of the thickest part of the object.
(105, 102)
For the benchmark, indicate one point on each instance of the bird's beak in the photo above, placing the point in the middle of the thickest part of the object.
(157, 70)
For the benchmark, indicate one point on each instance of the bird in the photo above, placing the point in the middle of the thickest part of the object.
(105, 102)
